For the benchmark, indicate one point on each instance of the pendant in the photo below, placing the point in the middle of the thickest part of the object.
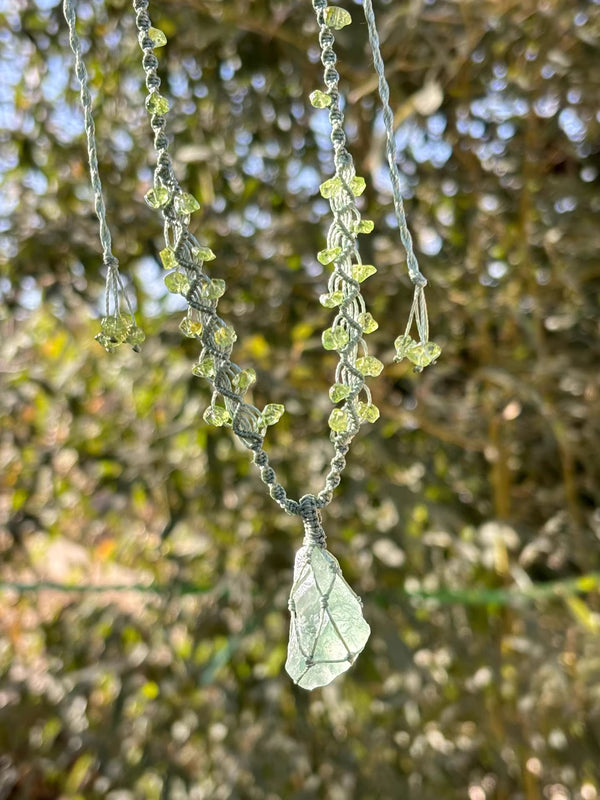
(327, 627)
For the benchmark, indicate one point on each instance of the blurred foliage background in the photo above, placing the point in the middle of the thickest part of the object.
(480, 481)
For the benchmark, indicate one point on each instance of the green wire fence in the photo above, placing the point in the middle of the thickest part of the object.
(482, 596)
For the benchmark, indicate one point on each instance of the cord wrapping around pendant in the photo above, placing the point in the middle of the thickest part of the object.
(314, 535)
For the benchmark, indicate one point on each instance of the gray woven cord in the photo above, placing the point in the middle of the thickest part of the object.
(114, 283)
(345, 215)
(416, 275)
(245, 417)
(246, 420)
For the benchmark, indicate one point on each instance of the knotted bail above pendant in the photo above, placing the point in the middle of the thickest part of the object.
(311, 519)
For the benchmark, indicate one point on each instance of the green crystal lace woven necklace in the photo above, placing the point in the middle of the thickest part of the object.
(327, 627)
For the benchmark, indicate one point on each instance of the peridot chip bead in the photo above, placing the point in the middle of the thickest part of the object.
(107, 342)
(156, 103)
(358, 185)
(177, 283)
(214, 289)
(136, 336)
(202, 253)
(225, 336)
(186, 203)
(205, 368)
(167, 256)
(337, 18)
(403, 345)
(422, 355)
(369, 366)
(328, 255)
(272, 413)
(433, 351)
(367, 322)
(158, 197)
(339, 391)
(320, 99)
(367, 411)
(338, 420)
(191, 328)
(244, 379)
(116, 326)
(331, 188)
(335, 338)
(364, 226)
(216, 415)
(360, 272)
(332, 299)
(158, 37)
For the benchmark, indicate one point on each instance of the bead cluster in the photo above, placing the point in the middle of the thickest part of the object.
(352, 321)
(184, 258)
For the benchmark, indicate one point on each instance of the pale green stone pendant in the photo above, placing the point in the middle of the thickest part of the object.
(327, 627)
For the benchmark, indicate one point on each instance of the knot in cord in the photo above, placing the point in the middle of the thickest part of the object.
(311, 519)
(111, 263)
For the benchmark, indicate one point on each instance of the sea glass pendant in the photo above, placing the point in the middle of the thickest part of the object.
(327, 627)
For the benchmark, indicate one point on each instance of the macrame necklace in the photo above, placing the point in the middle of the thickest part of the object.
(327, 628)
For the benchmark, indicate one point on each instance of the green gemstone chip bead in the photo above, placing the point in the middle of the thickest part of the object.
(403, 346)
(367, 411)
(214, 289)
(335, 338)
(331, 188)
(225, 336)
(244, 379)
(205, 368)
(167, 256)
(158, 197)
(358, 185)
(334, 187)
(320, 99)
(422, 355)
(369, 366)
(158, 37)
(360, 272)
(177, 283)
(156, 103)
(116, 327)
(332, 299)
(328, 255)
(272, 413)
(136, 336)
(337, 18)
(202, 253)
(108, 343)
(338, 420)
(186, 203)
(191, 328)
(364, 226)
(367, 322)
(433, 351)
(217, 415)
(339, 391)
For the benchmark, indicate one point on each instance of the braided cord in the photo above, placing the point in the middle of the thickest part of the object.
(342, 244)
(200, 292)
(419, 307)
(114, 284)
